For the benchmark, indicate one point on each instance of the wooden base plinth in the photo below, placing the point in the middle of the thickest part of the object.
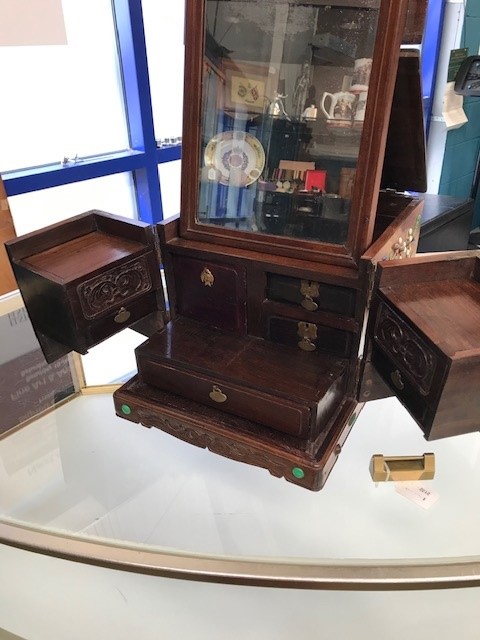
(304, 463)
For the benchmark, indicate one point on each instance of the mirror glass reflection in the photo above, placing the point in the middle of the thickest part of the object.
(284, 96)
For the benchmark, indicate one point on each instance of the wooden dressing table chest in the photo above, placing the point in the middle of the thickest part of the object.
(291, 276)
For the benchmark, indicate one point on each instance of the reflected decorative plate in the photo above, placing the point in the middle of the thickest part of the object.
(234, 158)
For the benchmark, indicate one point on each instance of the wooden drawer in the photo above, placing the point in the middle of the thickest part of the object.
(290, 418)
(210, 292)
(310, 294)
(408, 362)
(401, 385)
(273, 385)
(120, 318)
(309, 336)
(414, 357)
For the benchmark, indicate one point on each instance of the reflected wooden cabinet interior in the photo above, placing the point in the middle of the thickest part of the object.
(293, 287)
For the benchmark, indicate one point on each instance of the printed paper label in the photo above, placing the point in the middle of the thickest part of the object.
(418, 493)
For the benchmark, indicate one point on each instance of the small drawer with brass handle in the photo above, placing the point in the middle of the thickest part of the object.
(309, 336)
(311, 295)
(122, 317)
(407, 392)
(411, 354)
(277, 413)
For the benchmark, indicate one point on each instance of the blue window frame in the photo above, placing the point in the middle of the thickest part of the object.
(143, 157)
(430, 51)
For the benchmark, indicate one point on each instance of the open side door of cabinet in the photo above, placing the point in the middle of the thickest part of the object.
(424, 338)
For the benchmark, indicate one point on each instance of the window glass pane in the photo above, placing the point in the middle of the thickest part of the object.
(164, 38)
(170, 181)
(114, 194)
(63, 100)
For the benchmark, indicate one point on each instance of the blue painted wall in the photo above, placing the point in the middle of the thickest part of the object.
(463, 145)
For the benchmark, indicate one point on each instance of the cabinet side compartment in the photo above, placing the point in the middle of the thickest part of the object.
(49, 312)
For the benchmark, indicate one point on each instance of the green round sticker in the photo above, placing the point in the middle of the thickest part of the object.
(126, 409)
(298, 473)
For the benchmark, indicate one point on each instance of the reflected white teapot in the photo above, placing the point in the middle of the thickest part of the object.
(341, 105)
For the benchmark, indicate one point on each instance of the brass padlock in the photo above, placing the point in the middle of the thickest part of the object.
(402, 468)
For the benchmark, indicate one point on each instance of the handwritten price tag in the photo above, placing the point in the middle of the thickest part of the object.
(417, 492)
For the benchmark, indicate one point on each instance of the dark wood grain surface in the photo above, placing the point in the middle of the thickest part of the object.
(81, 256)
(447, 312)
(265, 365)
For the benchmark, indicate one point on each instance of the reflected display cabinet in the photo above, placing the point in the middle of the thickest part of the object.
(294, 293)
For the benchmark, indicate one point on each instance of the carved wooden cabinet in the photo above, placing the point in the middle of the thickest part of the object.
(302, 131)
(87, 278)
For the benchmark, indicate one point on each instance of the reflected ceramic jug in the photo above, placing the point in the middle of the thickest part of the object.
(361, 75)
(341, 105)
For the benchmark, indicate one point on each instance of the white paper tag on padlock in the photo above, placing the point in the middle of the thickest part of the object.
(418, 493)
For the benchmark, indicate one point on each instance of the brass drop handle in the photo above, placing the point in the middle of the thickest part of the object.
(396, 378)
(309, 304)
(309, 290)
(207, 277)
(307, 331)
(121, 316)
(307, 345)
(217, 395)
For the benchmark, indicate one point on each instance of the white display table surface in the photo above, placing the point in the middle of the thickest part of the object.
(81, 474)
(82, 470)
